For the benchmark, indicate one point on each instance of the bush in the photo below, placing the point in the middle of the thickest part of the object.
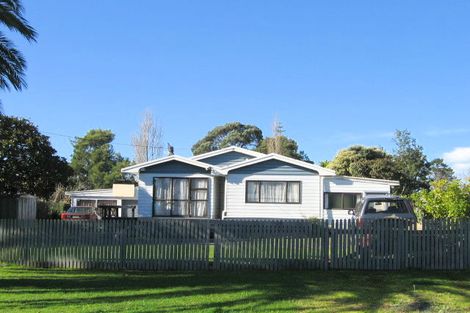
(445, 199)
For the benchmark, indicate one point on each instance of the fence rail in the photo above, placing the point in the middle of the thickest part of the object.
(192, 244)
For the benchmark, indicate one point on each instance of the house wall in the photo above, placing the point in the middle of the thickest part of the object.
(174, 169)
(349, 185)
(273, 167)
(226, 159)
(273, 170)
(145, 191)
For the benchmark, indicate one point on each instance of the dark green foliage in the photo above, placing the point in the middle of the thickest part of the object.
(94, 161)
(249, 137)
(439, 170)
(230, 134)
(286, 146)
(411, 163)
(28, 163)
(12, 63)
(363, 161)
(408, 164)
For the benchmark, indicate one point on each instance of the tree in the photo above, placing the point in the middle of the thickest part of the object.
(148, 142)
(285, 146)
(28, 163)
(439, 170)
(94, 161)
(411, 163)
(445, 199)
(282, 145)
(13, 64)
(230, 134)
(363, 161)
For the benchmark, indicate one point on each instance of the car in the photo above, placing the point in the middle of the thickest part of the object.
(374, 208)
(77, 213)
(377, 207)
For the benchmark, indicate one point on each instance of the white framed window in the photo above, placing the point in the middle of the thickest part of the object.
(258, 191)
(186, 197)
(341, 200)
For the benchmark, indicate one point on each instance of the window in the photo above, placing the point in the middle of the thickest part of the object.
(272, 192)
(180, 197)
(341, 201)
(386, 206)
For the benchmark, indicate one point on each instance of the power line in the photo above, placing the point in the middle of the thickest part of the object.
(114, 143)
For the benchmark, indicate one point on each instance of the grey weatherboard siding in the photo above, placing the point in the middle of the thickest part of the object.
(226, 159)
(175, 167)
(273, 167)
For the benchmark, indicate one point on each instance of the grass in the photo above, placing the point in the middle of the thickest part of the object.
(53, 290)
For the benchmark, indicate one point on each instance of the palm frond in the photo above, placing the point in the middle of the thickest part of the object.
(11, 15)
(12, 66)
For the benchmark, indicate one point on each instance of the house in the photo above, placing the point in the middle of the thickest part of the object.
(121, 199)
(240, 183)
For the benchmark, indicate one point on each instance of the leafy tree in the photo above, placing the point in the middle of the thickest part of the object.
(94, 161)
(411, 163)
(445, 199)
(440, 170)
(230, 134)
(363, 161)
(282, 145)
(13, 64)
(285, 146)
(28, 163)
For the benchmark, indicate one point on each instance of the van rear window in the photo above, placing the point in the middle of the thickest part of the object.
(386, 206)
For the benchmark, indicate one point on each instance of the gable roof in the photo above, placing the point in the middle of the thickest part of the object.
(134, 169)
(273, 156)
(227, 150)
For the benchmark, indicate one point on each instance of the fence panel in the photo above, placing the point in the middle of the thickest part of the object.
(184, 244)
(269, 244)
(163, 244)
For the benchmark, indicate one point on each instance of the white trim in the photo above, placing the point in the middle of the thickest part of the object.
(226, 150)
(89, 192)
(96, 194)
(372, 180)
(134, 169)
(273, 156)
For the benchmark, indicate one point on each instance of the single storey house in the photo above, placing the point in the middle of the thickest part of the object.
(240, 183)
(120, 200)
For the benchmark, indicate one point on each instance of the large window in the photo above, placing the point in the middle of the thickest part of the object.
(180, 197)
(341, 201)
(273, 192)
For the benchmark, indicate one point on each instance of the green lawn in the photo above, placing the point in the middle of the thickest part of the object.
(53, 290)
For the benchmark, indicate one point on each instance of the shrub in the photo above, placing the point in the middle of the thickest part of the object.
(445, 199)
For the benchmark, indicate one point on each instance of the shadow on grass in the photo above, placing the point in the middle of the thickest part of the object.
(234, 291)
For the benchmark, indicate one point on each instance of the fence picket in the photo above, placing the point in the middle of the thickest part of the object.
(179, 244)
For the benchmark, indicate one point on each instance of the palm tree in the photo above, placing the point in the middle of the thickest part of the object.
(12, 62)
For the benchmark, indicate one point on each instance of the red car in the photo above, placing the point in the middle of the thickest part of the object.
(80, 213)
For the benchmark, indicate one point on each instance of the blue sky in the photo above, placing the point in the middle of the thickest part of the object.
(335, 73)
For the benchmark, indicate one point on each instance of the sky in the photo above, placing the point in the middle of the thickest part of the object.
(335, 73)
